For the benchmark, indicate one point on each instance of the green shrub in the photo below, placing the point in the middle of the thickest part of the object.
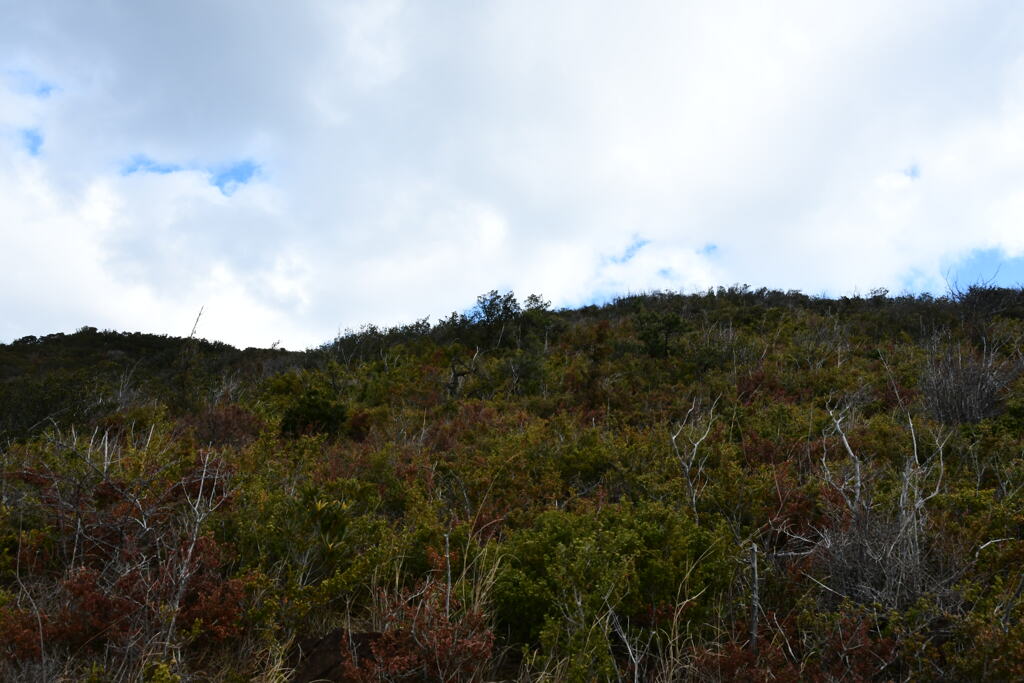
(565, 576)
(313, 412)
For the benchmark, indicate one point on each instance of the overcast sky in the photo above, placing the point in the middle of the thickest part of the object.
(297, 168)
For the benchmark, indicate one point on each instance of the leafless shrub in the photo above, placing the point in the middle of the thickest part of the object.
(876, 553)
(874, 549)
(961, 383)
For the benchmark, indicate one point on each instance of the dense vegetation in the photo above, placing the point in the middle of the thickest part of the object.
(735, 485)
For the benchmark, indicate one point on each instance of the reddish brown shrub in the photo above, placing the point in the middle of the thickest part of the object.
(19, 633)
(225, 425)
(428, 635)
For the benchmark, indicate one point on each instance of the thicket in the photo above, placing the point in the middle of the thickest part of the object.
(733, 485)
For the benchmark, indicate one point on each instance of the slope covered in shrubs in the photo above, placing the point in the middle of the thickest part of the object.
(734, 485)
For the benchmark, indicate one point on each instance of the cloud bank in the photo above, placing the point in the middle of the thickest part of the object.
(298, 168)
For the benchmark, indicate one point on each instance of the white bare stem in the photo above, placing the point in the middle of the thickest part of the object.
(211, 494)
(694, 429)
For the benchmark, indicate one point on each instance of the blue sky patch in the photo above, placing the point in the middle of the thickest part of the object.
(913, 171)
(627, 256)
(27, 83)
(229, 178)
(140, 163)
(986, 267)
(708, 249)
(32, 140)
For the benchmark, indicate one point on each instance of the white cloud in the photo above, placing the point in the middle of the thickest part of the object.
(411, 157)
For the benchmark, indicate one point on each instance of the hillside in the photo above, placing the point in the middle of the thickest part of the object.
(734, 485)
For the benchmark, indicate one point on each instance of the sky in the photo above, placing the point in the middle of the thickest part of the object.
(293, 169)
